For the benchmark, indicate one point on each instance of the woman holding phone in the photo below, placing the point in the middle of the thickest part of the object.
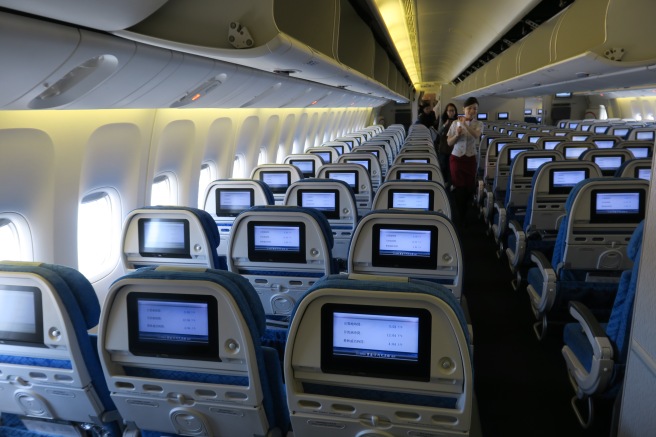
(464, 136)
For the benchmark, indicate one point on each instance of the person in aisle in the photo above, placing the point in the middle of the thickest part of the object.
(464, 136)
(443, 148)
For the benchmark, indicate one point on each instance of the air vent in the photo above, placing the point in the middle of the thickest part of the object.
(200, 91)
(76, 83)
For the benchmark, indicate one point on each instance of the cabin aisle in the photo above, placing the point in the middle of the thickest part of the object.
(521, 384)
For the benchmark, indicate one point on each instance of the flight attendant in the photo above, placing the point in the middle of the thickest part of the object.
(464, 136)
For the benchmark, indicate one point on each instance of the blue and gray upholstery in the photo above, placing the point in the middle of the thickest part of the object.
(357, 177)
(378, 151)
(426, 246)
(545, 209)
(170, 235)
(608, 160)
(416, 171)
(225, 199)
(388, 146)
(282, 251)
(497, 190)
(518, 188)
(51, 374)
(345, 378)
(596, 353)
(487, 162)
(635, 168)
(278, 177)
(590, 250)
(413, 194)
(415, 158)
(181, 354)
(325, 151)
(574, 149)
(370, 162)
(335, 200)
(308, 163)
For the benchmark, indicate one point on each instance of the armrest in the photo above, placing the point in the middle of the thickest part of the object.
(544, 301)
(500, 228)
(596, 380)
(516, 254)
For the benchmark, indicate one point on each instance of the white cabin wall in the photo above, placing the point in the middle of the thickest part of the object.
(51, 159)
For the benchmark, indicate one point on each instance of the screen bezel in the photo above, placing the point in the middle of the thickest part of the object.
(391, 192)
(330, 215)
(404, 262)
(311, 174)
(596, 217)
(359, 162)
(528, 172)
(503, 115)
(428, 173)
(163, 252)
(275, 256)
(277, 189)
(637, 170)
(356, 188)
(176, 350)
(376, 367)
(641, 133)
(608, 171)
(225, 212)
(565, 190)
(26, 338)
(481, 116)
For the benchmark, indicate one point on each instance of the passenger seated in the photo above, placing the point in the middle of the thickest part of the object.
(344, 377)
(278, 177)
(226, 198)
(421, 245)
(170, 235)
(545, 210)
(51, 374)
(608, 160)
(370, 162)
(596, 353)
(182, 355)
(590, 250)
(308, 163)
(413, 194)
(282, 251)
(336, 201)
(357, 177)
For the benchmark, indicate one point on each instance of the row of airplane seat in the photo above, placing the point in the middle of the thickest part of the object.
(571, 230)
(190, 340)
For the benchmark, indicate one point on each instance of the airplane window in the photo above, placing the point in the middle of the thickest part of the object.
(262, 158)
(281, 153)
(98, 228)
(238, 167)
(164, 190)
(9, 241)
(206, 176)
(15, 238)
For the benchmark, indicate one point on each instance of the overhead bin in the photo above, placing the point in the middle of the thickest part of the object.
(24, 59)
(323, 41)
(561, 54)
